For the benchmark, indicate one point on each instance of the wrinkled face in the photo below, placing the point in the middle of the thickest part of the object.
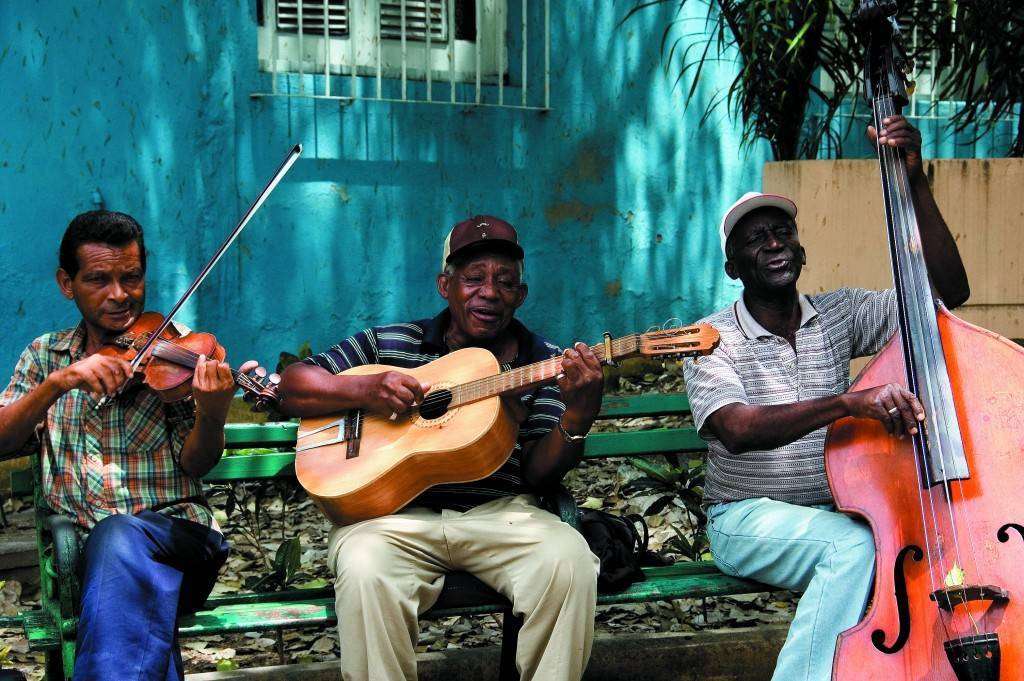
(764, 251)
(483, 294)
(109, 288)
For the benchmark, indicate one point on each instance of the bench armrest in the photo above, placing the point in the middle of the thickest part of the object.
(67, 555)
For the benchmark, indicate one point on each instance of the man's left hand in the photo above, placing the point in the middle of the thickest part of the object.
(213, 386)
(582, 384)
(898, 132)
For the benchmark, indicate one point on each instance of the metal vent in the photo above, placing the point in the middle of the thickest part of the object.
(417, 16)
(313, 17)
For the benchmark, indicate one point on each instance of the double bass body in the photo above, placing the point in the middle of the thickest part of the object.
(876, 476)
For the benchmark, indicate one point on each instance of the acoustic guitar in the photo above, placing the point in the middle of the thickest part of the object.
(358, 465)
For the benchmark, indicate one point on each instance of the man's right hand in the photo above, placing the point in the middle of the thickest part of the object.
(99, 374)
(896, 407)
(393, 392)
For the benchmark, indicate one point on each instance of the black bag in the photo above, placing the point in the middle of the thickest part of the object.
(619, 546)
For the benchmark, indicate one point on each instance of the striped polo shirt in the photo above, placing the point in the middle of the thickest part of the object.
(753, 366)
(417, 343)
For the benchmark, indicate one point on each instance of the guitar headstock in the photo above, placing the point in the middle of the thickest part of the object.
(683, 341)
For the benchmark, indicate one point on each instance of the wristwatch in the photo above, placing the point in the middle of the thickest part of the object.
(569, 437)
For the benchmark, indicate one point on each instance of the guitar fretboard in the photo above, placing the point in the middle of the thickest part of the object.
(533, 374)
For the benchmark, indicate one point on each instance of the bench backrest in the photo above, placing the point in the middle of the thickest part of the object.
(281, 435)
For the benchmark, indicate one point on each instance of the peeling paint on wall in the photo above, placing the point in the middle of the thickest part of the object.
(153, 107)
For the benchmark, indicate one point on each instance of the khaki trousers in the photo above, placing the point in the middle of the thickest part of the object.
(390, 569)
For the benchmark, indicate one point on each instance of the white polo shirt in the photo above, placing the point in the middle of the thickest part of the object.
(754, 366)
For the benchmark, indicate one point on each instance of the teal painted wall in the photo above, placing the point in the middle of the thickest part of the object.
(145, 105)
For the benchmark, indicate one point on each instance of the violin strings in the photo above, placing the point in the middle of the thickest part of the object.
(187, 358)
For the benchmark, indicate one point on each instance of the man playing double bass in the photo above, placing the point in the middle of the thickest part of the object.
(390, 569)
(763, 399)
(126, 474)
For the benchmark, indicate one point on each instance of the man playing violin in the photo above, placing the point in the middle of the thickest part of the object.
(128, 474)
(390, 569)
(763, 399)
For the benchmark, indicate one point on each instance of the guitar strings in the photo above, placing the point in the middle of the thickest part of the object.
(481, 388)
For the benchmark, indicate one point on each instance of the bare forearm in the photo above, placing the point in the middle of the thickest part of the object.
(19, 419)
(744, 428)
(941, 254)
(549, 459)
(311, 391)
(204, 445)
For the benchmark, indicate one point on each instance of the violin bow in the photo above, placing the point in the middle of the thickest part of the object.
(282, 169)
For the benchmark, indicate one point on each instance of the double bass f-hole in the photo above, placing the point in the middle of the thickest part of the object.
(1003, 535)
(902, 602)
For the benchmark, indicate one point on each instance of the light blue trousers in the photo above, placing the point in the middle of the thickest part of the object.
(828, 556)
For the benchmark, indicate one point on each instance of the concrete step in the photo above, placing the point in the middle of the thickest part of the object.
(723, 655)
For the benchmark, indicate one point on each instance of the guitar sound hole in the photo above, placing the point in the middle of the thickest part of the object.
(435, 405)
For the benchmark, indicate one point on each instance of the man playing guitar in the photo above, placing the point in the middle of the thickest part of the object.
(127, 474)
(390, 569)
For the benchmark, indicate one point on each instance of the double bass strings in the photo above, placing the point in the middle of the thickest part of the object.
(885, 160)
(885, 107)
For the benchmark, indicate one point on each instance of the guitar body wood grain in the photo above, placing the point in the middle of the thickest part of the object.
(397, 460)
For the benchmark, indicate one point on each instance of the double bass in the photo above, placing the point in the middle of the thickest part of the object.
(946, 506)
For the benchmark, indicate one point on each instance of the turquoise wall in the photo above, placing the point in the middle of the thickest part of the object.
(145, 107)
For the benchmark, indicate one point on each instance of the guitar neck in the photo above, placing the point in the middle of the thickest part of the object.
(535, 374)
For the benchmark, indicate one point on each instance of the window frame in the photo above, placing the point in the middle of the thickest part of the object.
(279, 52)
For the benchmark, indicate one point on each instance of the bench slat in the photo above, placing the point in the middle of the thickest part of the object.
(667, 583)
(651, 404)
(253, 467)
(598, 445)
(657, 441)
(270, 434)
(682, 580)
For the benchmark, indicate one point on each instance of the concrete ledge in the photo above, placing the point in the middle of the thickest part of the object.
(725, 655)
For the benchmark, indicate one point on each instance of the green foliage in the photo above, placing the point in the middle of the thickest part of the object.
(781, 46)
(983, 64)
(675, 479)
(245, 502)
(285, 567)
(286, 358)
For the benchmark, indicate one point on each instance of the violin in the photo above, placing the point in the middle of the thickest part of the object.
(168, 363)
(163, 357)
(945, 505)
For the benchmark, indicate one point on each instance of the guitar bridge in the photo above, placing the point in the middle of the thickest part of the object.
(349, 429)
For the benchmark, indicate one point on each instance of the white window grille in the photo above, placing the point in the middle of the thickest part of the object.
(437, 51)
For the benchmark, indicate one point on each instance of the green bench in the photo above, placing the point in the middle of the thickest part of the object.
(51, 628)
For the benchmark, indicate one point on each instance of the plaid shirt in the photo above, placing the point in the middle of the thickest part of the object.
(120, 459)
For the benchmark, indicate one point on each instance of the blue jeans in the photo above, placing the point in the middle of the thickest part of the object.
(828, 556)
(140, 572)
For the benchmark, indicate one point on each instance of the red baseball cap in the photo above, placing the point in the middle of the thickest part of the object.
(484, 232)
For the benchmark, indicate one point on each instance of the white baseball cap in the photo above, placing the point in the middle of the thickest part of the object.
(752, 201)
